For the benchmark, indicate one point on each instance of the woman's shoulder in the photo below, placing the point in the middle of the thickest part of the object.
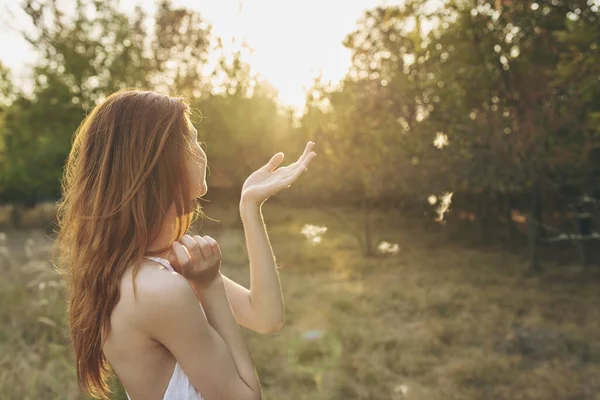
(159, 290)
(153, 278)
(156, 283)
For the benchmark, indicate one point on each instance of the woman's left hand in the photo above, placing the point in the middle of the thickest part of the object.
(268, 180)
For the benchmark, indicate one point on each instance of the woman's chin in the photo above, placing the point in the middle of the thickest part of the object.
(202, 191)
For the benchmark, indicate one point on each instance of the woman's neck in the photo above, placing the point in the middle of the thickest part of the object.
(165, 235)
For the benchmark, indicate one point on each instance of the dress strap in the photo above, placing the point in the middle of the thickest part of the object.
(162, 261)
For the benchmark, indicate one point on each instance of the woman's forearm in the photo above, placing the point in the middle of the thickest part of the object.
(265, 289)
(219, 315)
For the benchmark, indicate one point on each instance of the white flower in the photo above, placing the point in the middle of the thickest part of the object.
(444, 207)
(313, 233)
(441, 140)
(402, 389)
(388, 248)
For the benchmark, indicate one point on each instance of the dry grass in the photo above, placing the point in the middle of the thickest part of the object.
(431, 322)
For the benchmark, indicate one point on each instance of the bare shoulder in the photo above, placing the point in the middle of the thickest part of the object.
(161, 296)
(156, 284)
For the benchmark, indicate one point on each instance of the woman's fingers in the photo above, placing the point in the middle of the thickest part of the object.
(200, 240)
(309, 158)
(197, 258)
(274, 162)
(204, 247)
(303, 157)
(294, 176)
(181, 255)
(193, 247)
(306, 152)
(300, 168)
(214, 246)
(172, 258)
(292, 172)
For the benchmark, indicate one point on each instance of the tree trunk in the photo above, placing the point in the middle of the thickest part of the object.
(16, 215)
(533, 229)
(368, 239)
(582, 247)
(512, 231)
(484, 204)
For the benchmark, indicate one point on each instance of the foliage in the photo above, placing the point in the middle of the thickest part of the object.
(100, 50)
(496, 101)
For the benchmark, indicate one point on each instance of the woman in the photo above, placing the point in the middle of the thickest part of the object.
(145, 300)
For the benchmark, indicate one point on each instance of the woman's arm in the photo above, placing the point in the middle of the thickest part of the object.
(199, 259)
(245, 314)
(219, 315)
(210, 349)
(261, 308)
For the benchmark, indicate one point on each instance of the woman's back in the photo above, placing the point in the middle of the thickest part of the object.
(145, 367)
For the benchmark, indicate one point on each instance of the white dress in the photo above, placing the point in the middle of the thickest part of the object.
(180, 387)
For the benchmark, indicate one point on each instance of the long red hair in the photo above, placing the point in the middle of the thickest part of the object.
(125, 170)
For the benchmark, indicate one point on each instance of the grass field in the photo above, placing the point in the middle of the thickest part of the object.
(433, 321)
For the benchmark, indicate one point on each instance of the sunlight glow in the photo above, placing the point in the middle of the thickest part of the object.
(291, 42)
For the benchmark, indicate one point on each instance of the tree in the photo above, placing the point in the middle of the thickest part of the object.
(83, 59)
(242, 124)
(363, 125)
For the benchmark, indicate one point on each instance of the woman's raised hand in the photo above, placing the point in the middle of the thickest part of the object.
(269, 179)
(197, 258)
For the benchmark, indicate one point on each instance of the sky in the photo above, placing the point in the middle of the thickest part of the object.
(293, 41)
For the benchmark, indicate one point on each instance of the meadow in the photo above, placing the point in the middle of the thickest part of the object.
(428, 320)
